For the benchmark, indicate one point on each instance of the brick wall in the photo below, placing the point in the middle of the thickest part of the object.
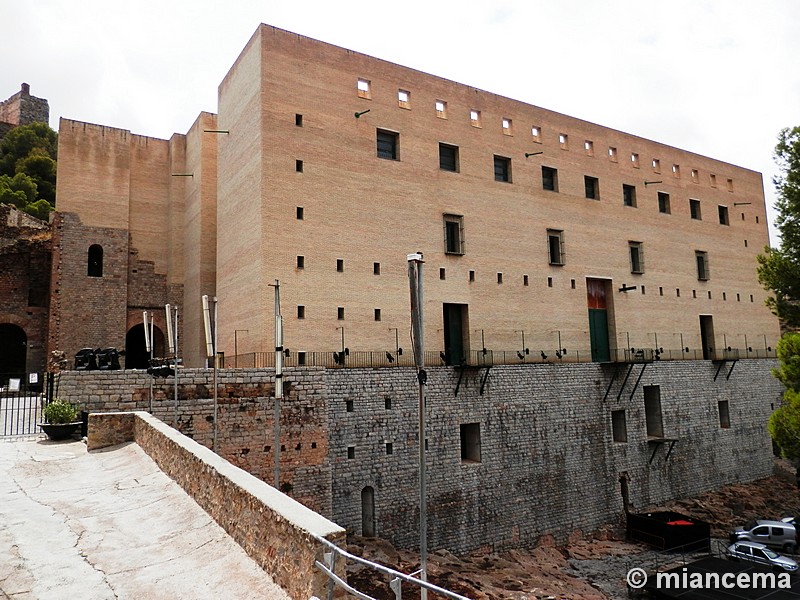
(548, 462)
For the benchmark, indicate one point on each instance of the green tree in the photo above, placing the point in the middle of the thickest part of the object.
(779, 268)
(784, 424)
(28, 163)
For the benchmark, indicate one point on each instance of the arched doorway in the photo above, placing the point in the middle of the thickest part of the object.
(13, 350)
(368, 512)
(136, 355)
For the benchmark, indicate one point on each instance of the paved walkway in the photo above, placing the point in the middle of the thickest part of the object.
(110, 525)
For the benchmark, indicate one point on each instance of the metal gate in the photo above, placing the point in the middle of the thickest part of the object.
(21, 402)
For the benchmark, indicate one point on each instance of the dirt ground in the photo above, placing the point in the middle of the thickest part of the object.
(590, 567)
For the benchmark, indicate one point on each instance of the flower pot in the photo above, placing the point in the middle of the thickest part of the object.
(59, 431)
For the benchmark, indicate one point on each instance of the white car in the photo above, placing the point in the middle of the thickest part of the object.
(759, 553)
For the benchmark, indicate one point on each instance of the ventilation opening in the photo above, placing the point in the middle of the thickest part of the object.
(471, 442)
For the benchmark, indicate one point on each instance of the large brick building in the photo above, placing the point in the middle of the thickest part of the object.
(324, 168)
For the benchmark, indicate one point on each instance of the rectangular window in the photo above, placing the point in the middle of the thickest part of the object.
(351, 452)
(472, 276)
(695, 176)
(563, 141)
(301, 311)
(635, 160)
(536, 133)
(588, 145)
(723, 215)
(592, 185)
(663, 203)
(475, 118)
(724, 414)
(619, 426)
(652, 411)
(339, 265)
(656, 165)
(701, 258)
(636, 252)
(298, 120)
(389, 448)
(730, 185)
(377, 314)
(676, 171)
(387, 144)
(442, 273)
(502, 169)
(500, 278)
(340, 313)
(404, 98)
(550, 179)
(612, 154)
(363, 88)
(448, 157)
(453, 234)
(628, 195)
(713, 179)
(471, 442)
(301, 262)
(441, 109)
(694, 209)
(555, 246)
(299, 213)
(376, 268)
(507, 127)
(298, 166)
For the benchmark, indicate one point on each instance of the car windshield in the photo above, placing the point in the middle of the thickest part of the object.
(771, 554)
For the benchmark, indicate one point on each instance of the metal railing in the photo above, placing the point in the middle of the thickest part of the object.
(328, 567)
(20, 405)
(478, 358)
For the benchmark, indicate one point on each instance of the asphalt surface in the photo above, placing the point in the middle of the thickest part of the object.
(110, 525)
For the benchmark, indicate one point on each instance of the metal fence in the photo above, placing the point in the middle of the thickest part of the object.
(395, 358)
(21, 403)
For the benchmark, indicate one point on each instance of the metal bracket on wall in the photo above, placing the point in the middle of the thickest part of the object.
(658, 442)
(721, 364)
(465, 367)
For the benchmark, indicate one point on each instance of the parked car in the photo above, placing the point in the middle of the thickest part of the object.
(759, 553)
(775, 534)
(791, 521)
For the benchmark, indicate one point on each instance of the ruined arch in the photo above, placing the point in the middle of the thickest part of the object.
(136, 356)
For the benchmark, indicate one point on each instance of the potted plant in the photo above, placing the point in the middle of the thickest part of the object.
(60, 420)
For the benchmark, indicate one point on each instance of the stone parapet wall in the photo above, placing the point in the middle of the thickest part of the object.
(275, 530)
(547, 461)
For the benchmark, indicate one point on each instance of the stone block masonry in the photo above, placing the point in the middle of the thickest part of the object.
(533, 455)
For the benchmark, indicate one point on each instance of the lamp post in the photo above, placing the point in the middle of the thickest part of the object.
(236, 346)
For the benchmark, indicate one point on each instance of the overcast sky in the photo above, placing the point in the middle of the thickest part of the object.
(716, 77)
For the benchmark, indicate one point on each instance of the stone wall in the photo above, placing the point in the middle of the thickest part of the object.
(546, 462)
(275, 531)
(23, 109)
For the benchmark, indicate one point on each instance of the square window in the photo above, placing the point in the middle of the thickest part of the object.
(694, 209)
(453, 234)
(701, 258)
(619, 426)
(635, 160)
(404, 98)
(301, 311)
(441, 109)
(555, 246)
(301, 262)
(723, 215)
(339, 265)
(563, 141)
(612, 154)
(663, 203)
(636, 252)
(448, 157)
(298, 120)
(387, 144)
(592, 187)
(475, 118)
(502, 169)
(376, 268)
(470, 442)
(340, 313)
(628, 195)
(377, 314)
(550, 179)
(363, 88)
(299, 212)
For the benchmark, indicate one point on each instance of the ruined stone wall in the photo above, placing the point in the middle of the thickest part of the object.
(547, 462)
(23, 109)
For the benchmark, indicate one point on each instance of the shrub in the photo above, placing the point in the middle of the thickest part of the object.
(60, 411)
